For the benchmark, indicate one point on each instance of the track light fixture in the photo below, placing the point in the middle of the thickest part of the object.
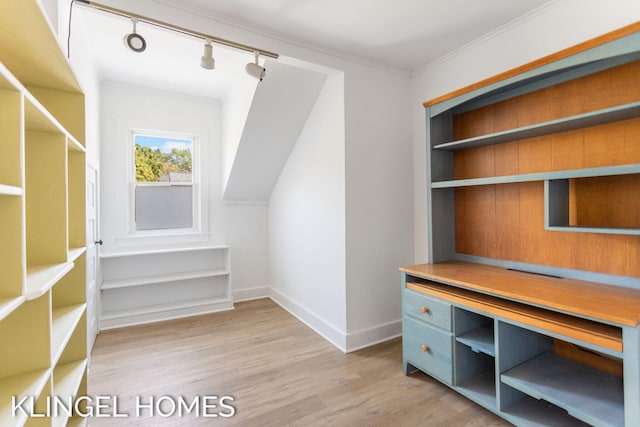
(254, 69)
(206, 61)
(137, 43)
(133, 40)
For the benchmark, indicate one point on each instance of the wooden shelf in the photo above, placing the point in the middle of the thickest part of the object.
(28, 384)
(10, 190)
(594, 118)
(64, 322)
(150, 280)
(591, 300)
(597, 334)
(161, 250)
(588, 394)
(480, 340)
(41, 278)
(541, 176)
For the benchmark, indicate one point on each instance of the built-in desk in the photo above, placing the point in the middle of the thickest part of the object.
(493, 335)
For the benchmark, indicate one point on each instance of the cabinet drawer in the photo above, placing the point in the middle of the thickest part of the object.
(427, 309)
(428, 348)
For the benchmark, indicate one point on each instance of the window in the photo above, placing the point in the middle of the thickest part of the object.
(164, 196)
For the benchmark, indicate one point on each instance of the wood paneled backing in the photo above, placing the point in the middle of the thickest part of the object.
(608, 88)
(607, 201)
(507, 222)
(587, 357)
(610, 144)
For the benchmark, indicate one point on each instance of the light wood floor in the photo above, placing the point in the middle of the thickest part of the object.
(278, 371)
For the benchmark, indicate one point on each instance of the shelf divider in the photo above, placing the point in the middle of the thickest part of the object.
(540, 176)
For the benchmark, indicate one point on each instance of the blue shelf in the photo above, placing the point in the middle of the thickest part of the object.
(480, 340)
(594, 118)
(590, 395)
(541, 176)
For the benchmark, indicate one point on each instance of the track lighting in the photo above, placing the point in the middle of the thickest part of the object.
(137, 43)
(133, 40)
(206, 61)
(254, 69)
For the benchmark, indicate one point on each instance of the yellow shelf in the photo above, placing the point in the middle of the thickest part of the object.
(28, 384)
(66, 382)
(74, 253)
(7, 305)
(41, 278)
(43, 329)
(77, 422)
(10, 190)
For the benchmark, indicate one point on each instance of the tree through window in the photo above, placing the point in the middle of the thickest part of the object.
(164, 178)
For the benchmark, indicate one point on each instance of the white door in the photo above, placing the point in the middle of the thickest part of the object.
(93, 260)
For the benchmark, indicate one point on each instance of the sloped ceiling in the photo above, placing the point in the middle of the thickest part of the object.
(278, 113)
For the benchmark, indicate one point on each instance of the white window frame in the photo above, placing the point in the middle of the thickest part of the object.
(195, 183)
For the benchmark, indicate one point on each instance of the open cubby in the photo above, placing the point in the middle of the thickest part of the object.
(140, 285)
(46, 191)
(599, 204)
(475, 374)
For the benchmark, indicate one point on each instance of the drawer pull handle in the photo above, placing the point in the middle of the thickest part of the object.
(424, 309)
(425, 347)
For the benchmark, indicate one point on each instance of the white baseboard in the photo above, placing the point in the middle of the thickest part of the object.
(113, 322)
(250, 294)
(375, 335)
(345, 342)
(319, 325)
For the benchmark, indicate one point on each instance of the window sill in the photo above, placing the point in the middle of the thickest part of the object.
(167, 238)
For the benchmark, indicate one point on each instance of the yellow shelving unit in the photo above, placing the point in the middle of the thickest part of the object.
(43, 342)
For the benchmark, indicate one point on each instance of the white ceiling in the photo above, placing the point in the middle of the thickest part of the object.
(170, 62)
(403, 34)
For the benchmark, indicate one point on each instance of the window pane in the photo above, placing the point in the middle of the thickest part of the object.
(159, 208)
(163, 159)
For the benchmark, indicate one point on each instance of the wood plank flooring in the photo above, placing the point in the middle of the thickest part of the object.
(278, 371)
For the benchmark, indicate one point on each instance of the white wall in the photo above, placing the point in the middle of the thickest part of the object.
(376, 207)
(235, 110)
(307, 220)
(242, 227)
(379, 202)
(553, 27)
